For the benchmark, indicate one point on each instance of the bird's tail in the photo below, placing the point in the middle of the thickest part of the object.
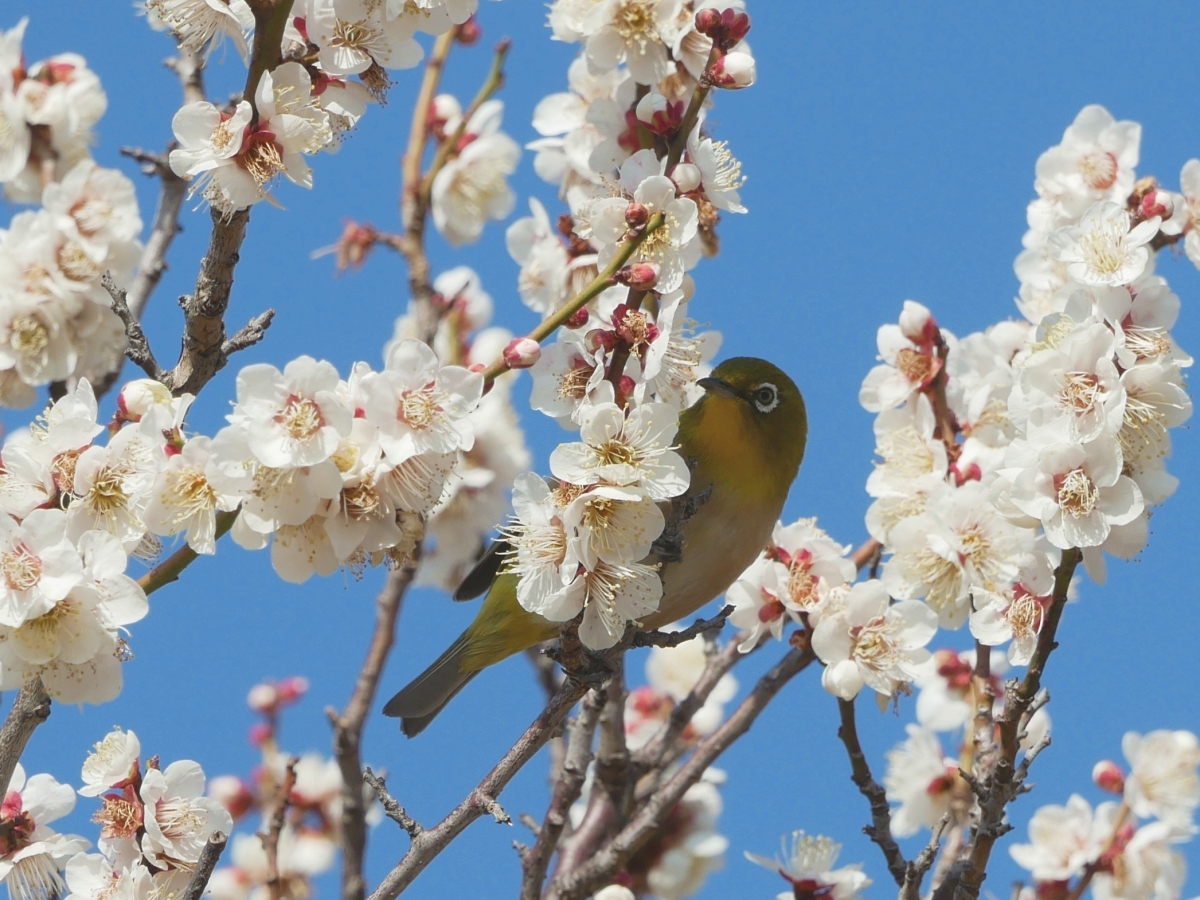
(425, 696)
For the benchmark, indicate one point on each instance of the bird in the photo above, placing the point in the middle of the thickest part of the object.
(744, 440)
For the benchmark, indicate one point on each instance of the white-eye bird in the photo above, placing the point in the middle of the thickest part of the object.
(743, 440)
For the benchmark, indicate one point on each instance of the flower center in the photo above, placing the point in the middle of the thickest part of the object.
(616, 452)
(1081, 392)
(107, 492)
(223, 137)
(1026, 613)
(262, 159)
(873, 645)
(28, 336)
(729, 175)
(905, 453)
(1103, 248)
(76, 264)
(91, 215)
(419, 408)
(1098, 170)
(1077, 494)
(573, 383)
(354, 35)
(634, 21)
(916, 367)
(361, 501)
(941, 577)
(188, 494)
(21, 568)
(301, 418)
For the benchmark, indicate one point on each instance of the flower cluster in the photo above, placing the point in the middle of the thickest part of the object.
(309, 840)
(55, 320)
(153, 822)
(233, 155)
(1123, 858)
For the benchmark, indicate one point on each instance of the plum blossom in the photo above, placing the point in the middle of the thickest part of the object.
(920, 778)
(1016, 613)
(202, 25)
(38, 564)
(1063, 839)
(1163, 778)
(358, 37)
(184, 500)
(872, 644)
(33, 854)
(907, 364)
(1103, 249)
(1094, 161)
(110, 762)
(178, 817)
(809, 867)
(638, 32)
(472, 187)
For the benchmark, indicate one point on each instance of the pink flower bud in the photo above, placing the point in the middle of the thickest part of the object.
(579, 318)
(625, 389)
(636, 216)
(727, 28)
(686, 177)
(263, 698)
(522, 352)
(292, 689)
(917, 323)
(1109, 776)
(259, 734)
(468, 32)
(707, 20)
(639, 276)
(137, 398)
(1157, 203)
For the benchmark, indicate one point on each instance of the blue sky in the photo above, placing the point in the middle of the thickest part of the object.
(890, 152)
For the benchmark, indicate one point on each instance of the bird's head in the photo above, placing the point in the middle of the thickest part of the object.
(749, 428)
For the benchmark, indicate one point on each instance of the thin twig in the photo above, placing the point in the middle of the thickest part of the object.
(567, 787)
(348, 728)
(29, 710)
(432, 841)
(270, 840)
(914, 872)
(675, 638)
(138, 347)
(649, 819)
(249, 334)
(880, 829)
(391, 806)
(209, 856)
(168, 570)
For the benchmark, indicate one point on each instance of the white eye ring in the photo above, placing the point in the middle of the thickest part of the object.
(766, 397)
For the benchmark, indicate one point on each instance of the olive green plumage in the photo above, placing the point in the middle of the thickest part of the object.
(744, 440)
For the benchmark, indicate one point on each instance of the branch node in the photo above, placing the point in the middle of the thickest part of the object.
(391, 807)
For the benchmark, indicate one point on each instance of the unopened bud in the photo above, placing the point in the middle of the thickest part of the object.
(733, 71)
(615, 892)
(707, 20)
(469, 32)
(232, 793)
(1157, 203)
(1108, 776)
(625, 389)
(259, 734)
(579, 318)
(522, 352)
(292, 689)
(138, 397)
(263, 698)
(727, 28)
(639, 276)
(686, 177)
(659, 114)
(636, 216)
(917, 323)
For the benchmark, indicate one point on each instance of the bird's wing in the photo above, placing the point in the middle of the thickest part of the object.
(480, 578)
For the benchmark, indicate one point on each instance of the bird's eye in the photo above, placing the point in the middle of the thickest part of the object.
(766, 397)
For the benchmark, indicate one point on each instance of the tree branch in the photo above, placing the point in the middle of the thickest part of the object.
(675, 638)
(880, 829)
(429, 843)
(209, 856)
(29, 710)
(391, 806)
(138, 348)
(348, 728)
(607, 861)
(270, 840)
(168, 570)
(249, 334)
(914, 871)
(567, 788)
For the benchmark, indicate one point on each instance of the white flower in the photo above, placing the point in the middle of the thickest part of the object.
(184, 500)
(635, 31)
(810, 867)
(292, 418)
(611, 524)
(94, 207)
(808, 566)
(112, 486)
(420, 407)
(674, 247)
(1016, 613)
(945, 701)
(92, 876)
(628, 452)
(691, 847)
(1162, 780)
(920, 778)
(720, 171)
(907, 448)
(543, 259)
(758, 609)
(565, 376)
(957, 546)
(908, 366)
(110, 762)
(353, 36)
(1078, 492)
(38, 565)
(32, 853)
(1095, 161)
(178, 817)
(1103, 249)
(473, 187)
(611, 596)
(871, 643)
(1063, 839)
(1146, 868)
(201, 25)
(1072, 392)
(675, 671)
(539, 544)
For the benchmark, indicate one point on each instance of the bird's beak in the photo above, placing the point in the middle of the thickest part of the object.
(719, 387)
